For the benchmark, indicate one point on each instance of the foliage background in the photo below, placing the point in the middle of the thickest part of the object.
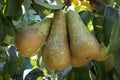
(102, 15)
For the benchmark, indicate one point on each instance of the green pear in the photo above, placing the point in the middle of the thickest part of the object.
(83, 45)
(56, 54)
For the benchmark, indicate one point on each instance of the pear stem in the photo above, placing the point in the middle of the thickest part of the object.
(54, 75)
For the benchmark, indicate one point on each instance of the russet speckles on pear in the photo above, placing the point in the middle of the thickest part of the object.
(56, 54)
(83, 45)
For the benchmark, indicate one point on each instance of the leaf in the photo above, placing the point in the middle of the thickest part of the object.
(38, 8)
(1, 4)
(3, 55)
(8, 39)
(108, 2)
(116, 54)
(27, 4)
(79, 73)
(116, 75)
(97, 24)
(115, 35)
(100, 9)
(48, 6)
(100, 70)
(28, 63)
(13, 7)
(118, 3)
(110, 75)
(1, 68)
(109, 21)
(18, 75)
(15, 63)
(86, 16)
(6, 27)
(2, 32)
(34, 74)
(33, 62)
(31, 16)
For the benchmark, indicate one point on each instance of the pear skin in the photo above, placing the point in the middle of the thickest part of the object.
(30, 40)
(56, 54)
(83, 45)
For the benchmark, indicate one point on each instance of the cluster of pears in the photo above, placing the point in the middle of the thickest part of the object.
(63, 39)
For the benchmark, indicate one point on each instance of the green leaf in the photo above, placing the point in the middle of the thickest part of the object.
(1, 4)
(15, 63)
(8, 39)
(97, 24)
(2, 31)
(13, 7)
(100, 70)
(27, 4)
(6, 76)
(108, 2)
(86, 16)
(6, 27)
(109, 21)
(117, 60)
(81, 73)
(34, 74)
(48, 6)
(110, 74)
(3, 55)
(115, 35)
(118, 3)
(38, 7)
(116, 75)
(100, 9)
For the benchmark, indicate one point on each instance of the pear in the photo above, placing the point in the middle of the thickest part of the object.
(30, 40)
(83, 45)
(56, 54)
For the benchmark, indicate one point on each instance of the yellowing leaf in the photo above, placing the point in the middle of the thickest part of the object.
(86, 4)
(75, 3)
(40, 78)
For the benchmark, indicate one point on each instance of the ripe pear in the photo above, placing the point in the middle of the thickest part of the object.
(83, 45)
(56, 54)
(30, 40)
